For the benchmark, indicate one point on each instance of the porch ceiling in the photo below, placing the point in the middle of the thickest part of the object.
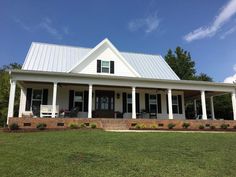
(192, 94)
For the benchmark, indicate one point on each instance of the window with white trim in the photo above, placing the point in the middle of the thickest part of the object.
(78, 100)
(105, 66)
(129, 102)
(153, 103)
(175, 104)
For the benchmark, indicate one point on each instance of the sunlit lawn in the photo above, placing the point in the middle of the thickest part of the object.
(99, 153)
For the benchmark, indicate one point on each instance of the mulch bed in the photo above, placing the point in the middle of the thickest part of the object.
(28, 130)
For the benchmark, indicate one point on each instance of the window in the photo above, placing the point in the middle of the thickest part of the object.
(175, 105)
(78, 100)
(129, 102)
(105, 65)
(37, 98)
(36, 101)
(153, 103)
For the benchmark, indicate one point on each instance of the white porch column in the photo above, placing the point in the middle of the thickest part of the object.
(54, 100)
(90, 97)
(170, 104)
(11, 100)
(133, 103)
(195, 107)
(212, 108)
(234, 104)
(22, 101)
(203, 99)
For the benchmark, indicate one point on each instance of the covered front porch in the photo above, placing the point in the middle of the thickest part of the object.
(87, 96)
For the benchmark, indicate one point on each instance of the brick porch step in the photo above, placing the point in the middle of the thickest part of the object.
(114, 124)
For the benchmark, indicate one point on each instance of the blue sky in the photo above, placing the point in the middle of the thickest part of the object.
(206, 28)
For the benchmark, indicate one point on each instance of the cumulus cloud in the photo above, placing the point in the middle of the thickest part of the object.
(148, 24)
(226, 13)
(231, 79)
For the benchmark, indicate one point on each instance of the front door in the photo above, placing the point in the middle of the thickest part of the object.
(104, 104)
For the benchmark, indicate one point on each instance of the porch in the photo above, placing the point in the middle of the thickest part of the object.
(111, 96)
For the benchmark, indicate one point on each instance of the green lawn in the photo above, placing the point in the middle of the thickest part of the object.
(98, 153)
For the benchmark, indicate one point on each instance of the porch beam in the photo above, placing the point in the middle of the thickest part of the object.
(170, 104)
(120, 81)
(11, 100)
(133, 103)
(90, 101)
(212, 107)
(54, 99)
(233, 95)
(203, 100)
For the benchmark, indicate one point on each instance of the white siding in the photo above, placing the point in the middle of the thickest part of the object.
(63, 97)
(107, 54)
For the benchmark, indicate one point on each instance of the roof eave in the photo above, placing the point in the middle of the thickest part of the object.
(121, 77)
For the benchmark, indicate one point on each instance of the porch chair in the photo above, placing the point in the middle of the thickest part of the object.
(72, 113)
(46, 111)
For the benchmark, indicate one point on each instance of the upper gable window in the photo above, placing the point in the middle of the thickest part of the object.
(105, 66)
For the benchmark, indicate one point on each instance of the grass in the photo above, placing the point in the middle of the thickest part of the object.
(97, 153)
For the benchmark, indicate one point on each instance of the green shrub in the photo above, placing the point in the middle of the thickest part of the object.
(142, 126)
(212, 127)
(185, 125)
(201, 127)
(41, 126)
(14, 126)
(93, 125)
(154, 126)
(171, 125)
(73, 126)
(137, 126)
(224, 126)
(82, 125)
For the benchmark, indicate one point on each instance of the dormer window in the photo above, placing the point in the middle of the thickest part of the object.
(104, 66)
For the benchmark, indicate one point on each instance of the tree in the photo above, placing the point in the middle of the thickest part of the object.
(4, 91)
(203, 77)
(182, 63)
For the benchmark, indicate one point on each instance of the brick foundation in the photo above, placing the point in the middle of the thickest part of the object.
(117, 124)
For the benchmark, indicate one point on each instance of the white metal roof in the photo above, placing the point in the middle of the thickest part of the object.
(60, 58)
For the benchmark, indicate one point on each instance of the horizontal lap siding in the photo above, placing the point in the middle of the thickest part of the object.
(63, 96)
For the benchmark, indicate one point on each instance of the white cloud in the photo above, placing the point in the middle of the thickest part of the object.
(148, 24)
(46, 25)
(22, 24)
(225, 15)
(227, 33)
(231, 79)
(234, 67)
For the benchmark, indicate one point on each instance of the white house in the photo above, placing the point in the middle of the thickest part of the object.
(57, 81)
